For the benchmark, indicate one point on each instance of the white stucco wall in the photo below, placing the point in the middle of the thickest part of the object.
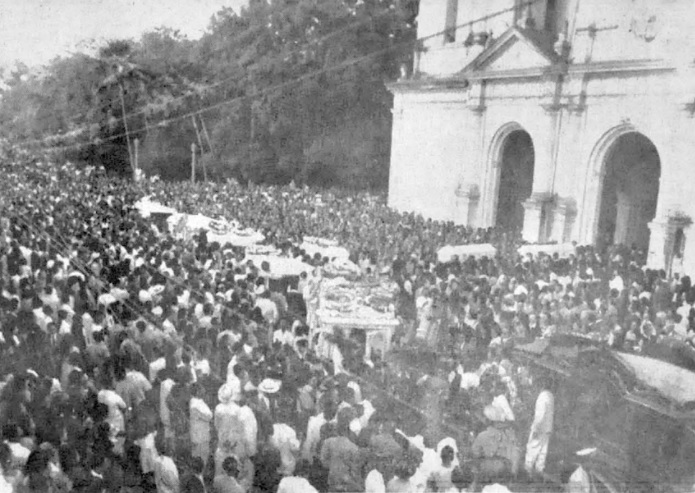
(443, 138)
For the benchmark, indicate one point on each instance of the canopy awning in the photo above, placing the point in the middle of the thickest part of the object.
(673, 382)
(446, 253)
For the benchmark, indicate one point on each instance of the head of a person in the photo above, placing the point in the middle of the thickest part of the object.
(447, 455)
(231, 467)
(462, 477)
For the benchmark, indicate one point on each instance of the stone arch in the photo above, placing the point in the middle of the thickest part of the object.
(496, 164)
(621, 203)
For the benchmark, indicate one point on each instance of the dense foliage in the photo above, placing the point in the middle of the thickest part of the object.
(286, 89)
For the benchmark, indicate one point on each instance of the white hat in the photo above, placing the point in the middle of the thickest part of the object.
(270, 386)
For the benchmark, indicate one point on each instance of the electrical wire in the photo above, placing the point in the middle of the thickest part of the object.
(271, 89)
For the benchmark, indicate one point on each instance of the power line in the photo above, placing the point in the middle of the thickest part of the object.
(344, 64)
(207, 87)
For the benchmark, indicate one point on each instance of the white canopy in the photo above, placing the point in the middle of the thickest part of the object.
(146, 207)
(183, 224)
(445, 254)
(563, 250)
(672, 381)
(281, 266)
(327, 248)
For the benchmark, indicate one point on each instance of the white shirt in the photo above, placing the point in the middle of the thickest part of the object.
(166, 475)
(116, 406)
(164, 391)
(543, 417)
(250, 424)
(313, 436)
(201, 416)
(284, 439)
(148, 453)
(374, 482)
(155, 367)
(293, 484)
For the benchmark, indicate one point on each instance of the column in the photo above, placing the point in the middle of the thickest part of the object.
(533, 217)
(564, 214)
(656, 258)
(622, 219)
(467, 197)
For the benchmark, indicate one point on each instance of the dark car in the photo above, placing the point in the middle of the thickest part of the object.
(637, 412)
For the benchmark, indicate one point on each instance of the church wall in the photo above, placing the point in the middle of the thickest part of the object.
(630, 70)
(430, 150)
(442, 58)
(503, 110)
(638, 29)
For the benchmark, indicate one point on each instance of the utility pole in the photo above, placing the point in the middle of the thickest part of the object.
(193, 163)
(137, 154)
(125, 125)
(202, 148)
(205, 132)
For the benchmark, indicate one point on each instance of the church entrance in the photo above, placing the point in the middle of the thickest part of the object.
(516, 180)
(629, 193)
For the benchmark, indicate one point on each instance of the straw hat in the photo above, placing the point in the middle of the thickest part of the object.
(270, 386)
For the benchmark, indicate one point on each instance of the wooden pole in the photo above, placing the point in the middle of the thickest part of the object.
(205, 132)
(125, 124)
(137, 154)
(197, 133)
(193, 163)
(202, 148)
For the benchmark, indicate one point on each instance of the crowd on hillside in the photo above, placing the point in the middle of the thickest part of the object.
(132, 361)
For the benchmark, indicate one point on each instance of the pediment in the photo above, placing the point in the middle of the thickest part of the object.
(514, 50)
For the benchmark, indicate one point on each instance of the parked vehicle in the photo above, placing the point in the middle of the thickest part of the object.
(637, 412)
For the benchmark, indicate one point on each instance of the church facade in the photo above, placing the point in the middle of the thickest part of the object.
(569, 120)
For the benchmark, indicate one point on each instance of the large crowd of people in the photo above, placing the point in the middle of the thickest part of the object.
(134, 361)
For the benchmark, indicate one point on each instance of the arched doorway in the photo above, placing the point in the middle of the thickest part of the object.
(629, 191)
(515, 180)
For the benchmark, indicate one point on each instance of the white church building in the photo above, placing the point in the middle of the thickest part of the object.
(569, 120)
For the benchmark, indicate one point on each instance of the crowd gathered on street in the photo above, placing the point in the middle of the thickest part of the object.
(133, 361)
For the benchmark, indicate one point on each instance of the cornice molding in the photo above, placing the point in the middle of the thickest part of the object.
(429, 85)
(621, 66)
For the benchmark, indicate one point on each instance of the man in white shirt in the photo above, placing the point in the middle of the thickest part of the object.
(284, 439)
(166, 475)
(269, 309)
(541, 430)
(200, 421)
(228, 425)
